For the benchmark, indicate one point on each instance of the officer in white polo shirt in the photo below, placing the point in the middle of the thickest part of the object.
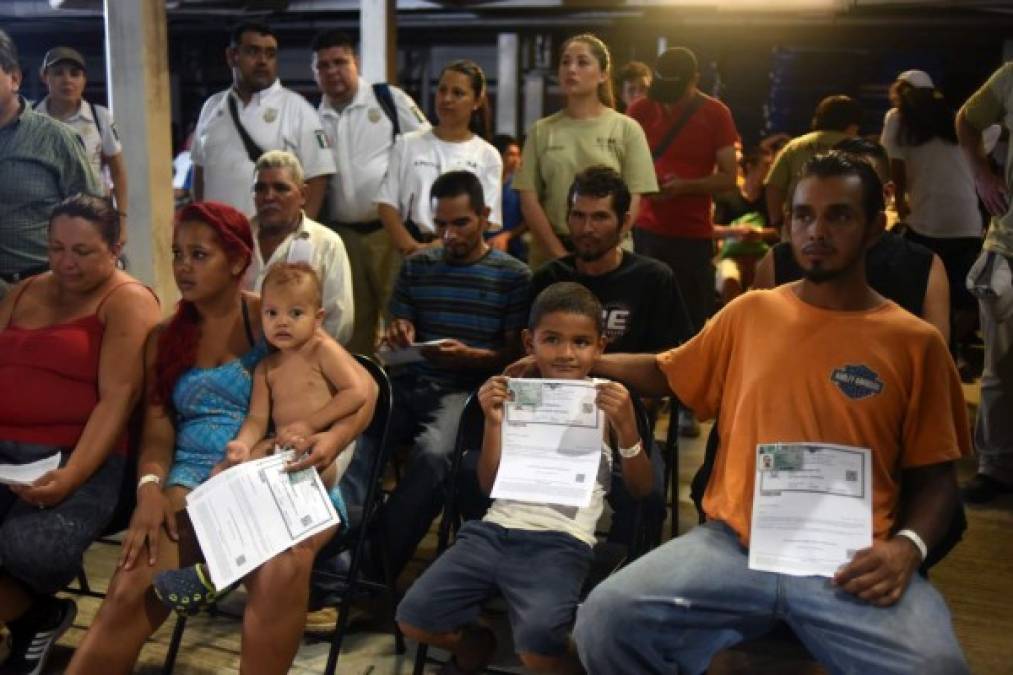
(359, 119)
(64, 74)
(255, 115)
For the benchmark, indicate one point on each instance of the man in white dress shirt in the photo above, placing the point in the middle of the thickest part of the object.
(253, 116)
(282, 232)
(359, 120)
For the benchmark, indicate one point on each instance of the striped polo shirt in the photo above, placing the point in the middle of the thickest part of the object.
(478, 304)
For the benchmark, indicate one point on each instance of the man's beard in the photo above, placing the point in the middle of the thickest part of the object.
(819, 275)
(592, 255)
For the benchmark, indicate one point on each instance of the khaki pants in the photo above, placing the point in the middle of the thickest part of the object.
(375, 264)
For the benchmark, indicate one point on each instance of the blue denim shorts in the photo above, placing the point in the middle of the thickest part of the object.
(539, 574)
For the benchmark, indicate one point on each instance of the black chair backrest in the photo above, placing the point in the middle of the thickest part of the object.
(377, 431)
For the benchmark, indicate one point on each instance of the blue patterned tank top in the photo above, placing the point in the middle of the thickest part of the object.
(211, 404)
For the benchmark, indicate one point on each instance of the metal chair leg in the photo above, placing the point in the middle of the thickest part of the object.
(672, 455)
(174, 644)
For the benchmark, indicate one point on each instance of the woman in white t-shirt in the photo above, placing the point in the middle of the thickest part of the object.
(935, 193)
(418, 158)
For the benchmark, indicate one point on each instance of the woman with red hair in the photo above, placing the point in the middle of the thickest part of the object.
(199, 369)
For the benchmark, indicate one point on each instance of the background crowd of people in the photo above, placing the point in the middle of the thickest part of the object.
(384, 230)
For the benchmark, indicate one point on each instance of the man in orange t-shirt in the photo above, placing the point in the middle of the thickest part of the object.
(824, 360)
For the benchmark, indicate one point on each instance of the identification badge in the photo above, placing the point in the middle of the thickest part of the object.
(270, 115)
(526, 394)
(374, 115)
(780, 457)
(322, 140)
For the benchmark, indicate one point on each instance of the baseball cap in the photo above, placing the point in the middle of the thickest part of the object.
(673, 73)
(917, 78)
(676, 65)
(58, 54)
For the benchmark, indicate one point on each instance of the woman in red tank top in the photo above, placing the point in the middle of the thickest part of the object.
(71, 370)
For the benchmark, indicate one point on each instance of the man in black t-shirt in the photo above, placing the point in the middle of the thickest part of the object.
(643, 311)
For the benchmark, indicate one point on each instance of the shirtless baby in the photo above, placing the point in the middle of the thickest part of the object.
(296, 387)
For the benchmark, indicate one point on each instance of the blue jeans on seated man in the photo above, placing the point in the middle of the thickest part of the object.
(674, 608)
(425, 413)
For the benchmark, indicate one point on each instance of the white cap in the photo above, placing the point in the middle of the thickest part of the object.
(917, 78)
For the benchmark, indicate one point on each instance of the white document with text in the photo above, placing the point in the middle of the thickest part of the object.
(551, 442)
(250, 513)
(26, 474)
(812, 507)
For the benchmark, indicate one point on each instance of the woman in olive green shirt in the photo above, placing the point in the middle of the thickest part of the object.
(588, 131)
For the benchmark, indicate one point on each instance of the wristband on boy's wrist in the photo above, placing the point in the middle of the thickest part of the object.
(632, 451)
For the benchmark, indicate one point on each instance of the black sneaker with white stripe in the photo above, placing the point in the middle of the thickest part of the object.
(36, 633)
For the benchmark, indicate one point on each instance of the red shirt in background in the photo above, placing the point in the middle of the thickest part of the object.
(691, 155)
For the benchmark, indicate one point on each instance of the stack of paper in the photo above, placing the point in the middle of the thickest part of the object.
(250, 513)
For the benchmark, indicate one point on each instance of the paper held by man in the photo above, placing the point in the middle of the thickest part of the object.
(250, 513)
(812, 507)
(551, 442)
(413, 353)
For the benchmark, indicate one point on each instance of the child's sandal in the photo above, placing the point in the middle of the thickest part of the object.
(188, 590)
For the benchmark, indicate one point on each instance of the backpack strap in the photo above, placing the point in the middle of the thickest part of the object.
(691, 107)
(386, 100)
(253, 151)
(98, 120)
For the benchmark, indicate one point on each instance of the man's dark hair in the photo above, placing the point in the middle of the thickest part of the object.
(870, 151)
(503, 141)
(457, 183)
(863, 147)
(96, 210)
(836, 163)
(923, 115)
(601, 181)
(8, 54)
(567, 297)
(332, 38)
(258, 27)
(837, 113)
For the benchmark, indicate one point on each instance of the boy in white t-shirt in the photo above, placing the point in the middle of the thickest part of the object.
(535, 555)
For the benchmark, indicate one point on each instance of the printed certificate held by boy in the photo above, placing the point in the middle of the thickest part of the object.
(552, 438)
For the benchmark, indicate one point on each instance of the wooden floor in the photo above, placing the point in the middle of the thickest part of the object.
(976, 579)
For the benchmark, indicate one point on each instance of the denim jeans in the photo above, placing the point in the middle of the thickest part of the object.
(993, 429)
(674, 608)
(426, 414)
(43, 548)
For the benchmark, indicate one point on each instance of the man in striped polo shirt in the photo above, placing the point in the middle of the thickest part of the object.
(472, 298)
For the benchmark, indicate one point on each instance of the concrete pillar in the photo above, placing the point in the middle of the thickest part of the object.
(534, 98)
(137, 63)
(378, 43)
(507, 79)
